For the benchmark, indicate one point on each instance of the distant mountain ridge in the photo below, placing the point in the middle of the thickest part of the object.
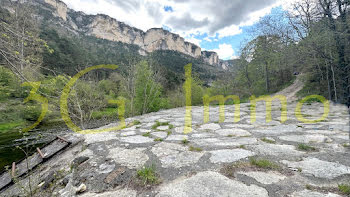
(106, 27)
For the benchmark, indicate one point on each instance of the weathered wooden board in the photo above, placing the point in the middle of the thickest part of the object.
(33, 161)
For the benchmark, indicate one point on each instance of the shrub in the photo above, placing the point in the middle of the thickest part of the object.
(305, 147)
(148, 175)
(345, 189)
(263, 163)
(268, 141)
(9, 85)
(195, 149)
(31, 112)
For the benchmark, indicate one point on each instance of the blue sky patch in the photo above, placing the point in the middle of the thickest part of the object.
(168, 9)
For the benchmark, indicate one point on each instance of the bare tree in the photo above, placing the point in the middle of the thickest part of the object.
(20, 45)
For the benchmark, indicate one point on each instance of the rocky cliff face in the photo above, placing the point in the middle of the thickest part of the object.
(105, 27)
(60, 8)
(211, 57)
(160, 39)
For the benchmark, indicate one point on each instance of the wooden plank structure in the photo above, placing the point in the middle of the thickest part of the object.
(21, 169)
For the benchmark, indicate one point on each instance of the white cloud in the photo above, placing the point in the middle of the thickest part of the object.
(142, 14)
(193, 40)
(191, 16)
(229, 31)
(225, 51)
(207, 39)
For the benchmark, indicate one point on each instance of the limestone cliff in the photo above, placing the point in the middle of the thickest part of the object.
(61, 8)
(160, 39)
(105, 27)
(211, 57)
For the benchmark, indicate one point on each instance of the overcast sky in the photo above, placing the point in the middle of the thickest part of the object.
(216, 25)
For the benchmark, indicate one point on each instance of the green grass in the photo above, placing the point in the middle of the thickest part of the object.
(4, 127)
(305, 147)
(345, 189)
(195, 149)
(251, 106)
(185, 141)
(306, 115)
(107, 112)
(148, 175)
(158, 140)
(268, 141)
(242, 147)
(158, 124)
(308, 187)
(264, 163)
(146, 134)
(346, 145)
(136, 122)
(169, 133)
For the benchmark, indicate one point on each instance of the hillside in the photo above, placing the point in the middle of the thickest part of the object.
(58, 15)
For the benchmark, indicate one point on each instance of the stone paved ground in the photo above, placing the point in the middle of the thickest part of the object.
(214, 160)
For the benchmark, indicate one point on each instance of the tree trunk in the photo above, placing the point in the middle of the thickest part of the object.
(328, 83)
(334, 85)
(247, 76)
(267, 81)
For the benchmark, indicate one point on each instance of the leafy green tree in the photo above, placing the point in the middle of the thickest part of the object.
(148, 91)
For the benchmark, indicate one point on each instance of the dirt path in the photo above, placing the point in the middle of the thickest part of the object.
(291, 91)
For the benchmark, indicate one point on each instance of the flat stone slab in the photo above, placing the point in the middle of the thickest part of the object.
(342, 137)
(131, 158)
(308, 193)
(216, 142)
(318, 168)
(177, 137)
(210, 127)
(233, 132)
(202, 135)
(210, 184)
(127, 133)
(138, 139)
(105, 168)
(160, 134)
(277, 130)
(229, 156)
(180, 130)
(322, 132)
(175, 155)
(145, 130)
(244, 126)
(100, 137)
(277, 150)
(306, 138)
(163, 128)
(266, 178)
(261, 121)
